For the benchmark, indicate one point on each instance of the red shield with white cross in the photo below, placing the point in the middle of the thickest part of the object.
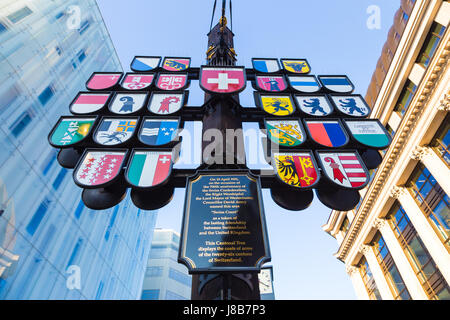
(222, 79)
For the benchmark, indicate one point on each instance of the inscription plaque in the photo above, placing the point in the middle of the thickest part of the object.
(224, 226)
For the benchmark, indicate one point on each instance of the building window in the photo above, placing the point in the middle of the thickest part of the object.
(180, 277)
(59, 179)
(431, 43)
(75, 252)
(2, 28)
(345, 224)
(173, 296)
(81, 55)
(38, 216)
(369, 281)
(154, 272)
(20, 124)
(441, 141)
(79, 209)
(426, 270)
(46, 95)
(20, 14)
(84, 27)
(390, 130)
(433, 201)
(150, 295)
(405, 97)
(391, 273)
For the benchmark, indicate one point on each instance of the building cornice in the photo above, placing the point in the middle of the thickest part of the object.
(430, 80)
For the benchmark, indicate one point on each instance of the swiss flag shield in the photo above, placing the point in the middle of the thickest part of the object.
(222, 79)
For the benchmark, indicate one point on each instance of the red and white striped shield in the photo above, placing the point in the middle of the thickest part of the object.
(222, 79)
(344, 168)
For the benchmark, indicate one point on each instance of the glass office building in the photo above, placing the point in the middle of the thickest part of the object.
(165, 278)
(51, 246)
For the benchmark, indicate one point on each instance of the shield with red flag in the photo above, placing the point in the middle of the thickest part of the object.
(222, 79)
(345, 169)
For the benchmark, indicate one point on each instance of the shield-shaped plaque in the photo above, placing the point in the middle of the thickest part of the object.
(297, 169)
(170, 81)
(103, 80)
(286, 133)
(339, 84)
(115, 131)
(98, 168)
(88, 102)
(368, 132)
(70, 130)
(136, 81)
(296, 65)
(272, 83)
(329, 133)
(266, 65)
(222, 79)
(345, 169)
(157, 132)
(306, 84)
(127, 103)
(145, 63)
(176, 64)
(314, 105)
(352, 105)
(148, 168)
(165, 103)
(277, 105)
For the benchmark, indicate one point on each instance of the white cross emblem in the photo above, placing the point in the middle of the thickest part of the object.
(164, 160)
(223, 81)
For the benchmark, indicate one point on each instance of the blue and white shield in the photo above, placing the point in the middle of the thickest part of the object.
(266, 65)
(126, 103)
(144, 64)
(314, 105)
(158, 132)
(306, 84)
(339, 84)
(352, 105)
(115, 131)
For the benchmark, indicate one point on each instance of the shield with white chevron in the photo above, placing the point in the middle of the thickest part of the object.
(345, 169)
(222, 79)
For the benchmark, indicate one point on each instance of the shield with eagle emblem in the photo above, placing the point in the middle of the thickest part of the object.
(286, 133)
(297, 169)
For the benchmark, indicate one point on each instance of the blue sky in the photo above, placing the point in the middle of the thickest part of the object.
(332, 35)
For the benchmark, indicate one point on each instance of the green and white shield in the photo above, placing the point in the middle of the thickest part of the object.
(287, 133)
